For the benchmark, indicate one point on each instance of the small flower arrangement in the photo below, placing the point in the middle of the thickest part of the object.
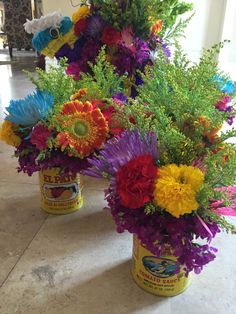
(61, 124)
(172, 174)
(133, 32)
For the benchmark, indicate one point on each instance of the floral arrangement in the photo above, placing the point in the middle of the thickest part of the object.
(133, 32)
(62, 123)
(172, 174)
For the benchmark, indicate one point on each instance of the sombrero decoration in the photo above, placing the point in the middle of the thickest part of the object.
(54, 32)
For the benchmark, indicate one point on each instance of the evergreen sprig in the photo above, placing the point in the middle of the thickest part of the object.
(55, 81)
(221, 166)
(177, 30)
(177, 101)
(209, 215)
(141, 14)
(102, 81)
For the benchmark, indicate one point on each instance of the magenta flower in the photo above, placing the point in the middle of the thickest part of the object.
(74, 70)
(39, 136)
(27, 160)
(223, 104)
(219, 205)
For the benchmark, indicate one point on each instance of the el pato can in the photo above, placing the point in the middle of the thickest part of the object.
(61, 193)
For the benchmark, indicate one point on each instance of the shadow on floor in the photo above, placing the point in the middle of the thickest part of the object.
(84, 224)
(111, 292)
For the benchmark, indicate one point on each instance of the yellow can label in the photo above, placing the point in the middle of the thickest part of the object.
(157, 275)
(61, 193)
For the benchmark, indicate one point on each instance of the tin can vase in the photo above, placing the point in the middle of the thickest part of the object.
(157, 275)
(61, 193)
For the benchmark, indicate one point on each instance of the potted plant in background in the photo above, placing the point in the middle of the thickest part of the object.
(56, 128)
(172, 174)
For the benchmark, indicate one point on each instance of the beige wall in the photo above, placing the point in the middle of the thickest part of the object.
(214, 21)
(64, 6)
(228, 54)
(206, 27)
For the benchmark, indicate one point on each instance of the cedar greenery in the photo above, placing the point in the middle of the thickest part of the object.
(55, 82)
(140, 15)
(102, 81)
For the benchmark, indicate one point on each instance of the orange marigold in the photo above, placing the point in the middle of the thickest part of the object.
(157, 27)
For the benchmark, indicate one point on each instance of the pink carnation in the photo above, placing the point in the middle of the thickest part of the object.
(223, 104)
(218, 205)
(39, 136)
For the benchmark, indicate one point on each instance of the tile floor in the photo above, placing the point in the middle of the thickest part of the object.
(77, 264)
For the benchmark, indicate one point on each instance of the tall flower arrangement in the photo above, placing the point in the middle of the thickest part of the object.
(172, 174)
(133, 32)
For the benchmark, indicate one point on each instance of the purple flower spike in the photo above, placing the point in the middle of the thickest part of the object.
(27, 158)
(231, 120)
(120, 150)
(155, 230)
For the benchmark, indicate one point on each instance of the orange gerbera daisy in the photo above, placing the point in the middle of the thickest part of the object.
(79, 94)
(82, 129)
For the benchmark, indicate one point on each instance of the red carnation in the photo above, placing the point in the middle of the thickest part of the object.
(110, 36)
(135, 182)
(80, 27)
(39, 136)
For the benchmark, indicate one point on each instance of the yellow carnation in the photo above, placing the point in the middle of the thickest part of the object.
(7, 134)
(82, 13)
(176, 188)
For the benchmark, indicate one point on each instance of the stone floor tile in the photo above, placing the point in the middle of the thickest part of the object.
(21, 218)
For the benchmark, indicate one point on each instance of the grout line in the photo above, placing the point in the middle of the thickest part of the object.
(23, 252)
(24, 183)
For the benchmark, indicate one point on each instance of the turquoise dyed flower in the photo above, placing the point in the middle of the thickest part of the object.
(31, 109)
(226, 86)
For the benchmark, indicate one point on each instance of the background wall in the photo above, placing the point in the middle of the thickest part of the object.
(206, 27)
(63, 5)
(214, 21)
(228, 55)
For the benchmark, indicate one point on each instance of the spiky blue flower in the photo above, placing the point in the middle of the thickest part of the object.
(120, 150)
(226, 86)
(229, 87)
(29, 110)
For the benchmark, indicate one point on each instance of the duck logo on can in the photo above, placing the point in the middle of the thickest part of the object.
(160, 267)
